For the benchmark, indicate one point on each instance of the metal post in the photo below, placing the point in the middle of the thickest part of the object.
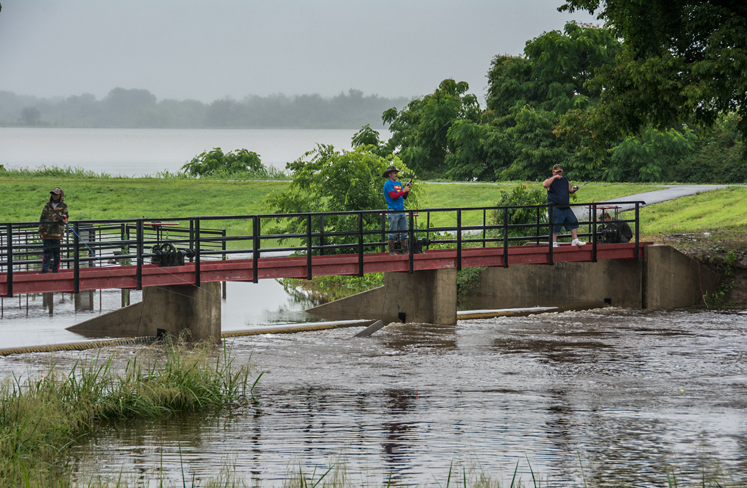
(427, 225)
(484, 215)
(76, 259)
(321, 235)
(139, 254)
(411, 243)
(637, 220)
(537, 229)
(9, 231)
(383, 231)
(594, 233)
(505, 237)
(549, 236)
(459, 240)
(309, 274)
(191, 237)
(198, 238)
(223, 246)
(360, 244)
(255, 250)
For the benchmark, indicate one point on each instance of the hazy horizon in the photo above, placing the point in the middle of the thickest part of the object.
(206, 51)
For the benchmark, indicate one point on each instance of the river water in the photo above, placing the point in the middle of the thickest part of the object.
(601, 397)
(139, 152)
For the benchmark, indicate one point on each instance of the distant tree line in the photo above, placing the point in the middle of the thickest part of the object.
(136, 108)
(553, 105)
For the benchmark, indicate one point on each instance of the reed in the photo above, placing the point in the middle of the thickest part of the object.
(40, 418)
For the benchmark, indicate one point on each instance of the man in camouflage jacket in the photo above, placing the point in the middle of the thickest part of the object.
(51, 233)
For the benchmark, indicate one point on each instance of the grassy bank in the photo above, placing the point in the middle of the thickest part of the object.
(94, 198)
(40, 417)
(720, 213)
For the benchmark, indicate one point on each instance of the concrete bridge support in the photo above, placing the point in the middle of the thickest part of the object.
(423, 297)
(663, 279)
(194, 312)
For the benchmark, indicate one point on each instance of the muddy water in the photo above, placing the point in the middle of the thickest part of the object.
(601, 397)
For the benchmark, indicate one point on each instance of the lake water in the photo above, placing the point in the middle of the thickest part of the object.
(139, 152)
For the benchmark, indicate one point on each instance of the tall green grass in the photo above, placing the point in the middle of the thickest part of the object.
(41, 417)
(270, 173)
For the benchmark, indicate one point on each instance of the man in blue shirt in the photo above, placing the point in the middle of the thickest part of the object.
(395, 195)
(559, 190)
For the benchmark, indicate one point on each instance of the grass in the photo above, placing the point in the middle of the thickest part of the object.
(723, 210)
(41, 417)
(451, 195)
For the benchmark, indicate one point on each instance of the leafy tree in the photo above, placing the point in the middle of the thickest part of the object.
(325, 180)
(516, 137)
(554, 73)
(521, 195)
(653, 156)
(419, 131)
(682, 61)
(215, 161)
(717, 156)
(481, 151)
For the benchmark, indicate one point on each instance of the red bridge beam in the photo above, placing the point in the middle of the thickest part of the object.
(125, 277)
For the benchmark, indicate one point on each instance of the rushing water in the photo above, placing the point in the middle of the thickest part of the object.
(605, 396)
(138, 152)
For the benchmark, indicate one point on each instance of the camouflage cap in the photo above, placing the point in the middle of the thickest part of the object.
(389, 170)
(56, 191)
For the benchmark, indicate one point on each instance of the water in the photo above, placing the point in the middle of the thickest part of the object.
(628, 392)
(138, 152)
(27, 321)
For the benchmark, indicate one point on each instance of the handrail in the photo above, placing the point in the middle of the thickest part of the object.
(112, 239)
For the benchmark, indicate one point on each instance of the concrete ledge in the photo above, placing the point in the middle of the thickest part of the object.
(423, 297)
(673, 280)
(178, 309)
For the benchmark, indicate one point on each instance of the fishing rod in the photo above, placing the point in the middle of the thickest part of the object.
(593, 179)
(86, 244)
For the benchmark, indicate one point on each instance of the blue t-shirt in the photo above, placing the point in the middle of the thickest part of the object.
(399, 203)
(558, 192)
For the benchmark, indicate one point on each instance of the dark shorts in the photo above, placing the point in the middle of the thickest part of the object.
(563, 218)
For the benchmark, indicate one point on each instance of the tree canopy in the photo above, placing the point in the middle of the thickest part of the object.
(682, 61)
(325, 180)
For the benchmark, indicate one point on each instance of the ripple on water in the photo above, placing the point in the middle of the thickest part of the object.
(629, 391)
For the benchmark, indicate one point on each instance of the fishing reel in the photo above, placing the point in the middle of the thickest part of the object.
(165, 254)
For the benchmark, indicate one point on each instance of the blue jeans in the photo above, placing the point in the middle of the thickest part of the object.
(397, 222)
(563, 218)
(51, 255)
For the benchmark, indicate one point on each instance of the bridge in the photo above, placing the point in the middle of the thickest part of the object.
(192, 252)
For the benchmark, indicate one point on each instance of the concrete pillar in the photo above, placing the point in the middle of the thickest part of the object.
(194, 312)
(84, 301)
(423, 297)
(566, 285)
(672, 279)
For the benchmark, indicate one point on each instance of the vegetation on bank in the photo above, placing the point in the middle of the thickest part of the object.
(41, 416)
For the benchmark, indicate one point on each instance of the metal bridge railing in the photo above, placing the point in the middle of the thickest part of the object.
(137, 241)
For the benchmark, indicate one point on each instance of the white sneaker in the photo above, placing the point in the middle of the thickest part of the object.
(576, 242)
(555, 244)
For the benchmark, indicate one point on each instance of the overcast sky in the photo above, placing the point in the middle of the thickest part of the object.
(213, 49)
